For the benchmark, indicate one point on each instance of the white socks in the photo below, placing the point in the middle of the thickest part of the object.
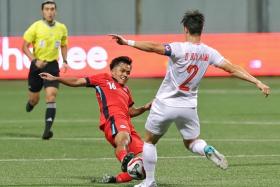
(197, 146)
(149, 161)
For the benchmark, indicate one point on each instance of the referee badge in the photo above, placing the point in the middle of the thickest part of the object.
(57, 44)
(42, 43)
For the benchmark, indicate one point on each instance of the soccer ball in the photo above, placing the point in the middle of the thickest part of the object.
(135, 169)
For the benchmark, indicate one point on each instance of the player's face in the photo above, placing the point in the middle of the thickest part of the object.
(121, 73)
(49, 12)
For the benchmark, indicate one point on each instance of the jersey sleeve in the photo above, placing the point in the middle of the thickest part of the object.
(172, 49)
(216, 58)
(30, 33)
(94, 80)
(64, 39)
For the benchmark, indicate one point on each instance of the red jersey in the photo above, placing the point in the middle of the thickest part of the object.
(113, 98)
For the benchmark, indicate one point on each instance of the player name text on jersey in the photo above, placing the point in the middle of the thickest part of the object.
(197, 57)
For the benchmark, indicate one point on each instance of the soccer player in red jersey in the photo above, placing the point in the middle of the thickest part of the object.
(116, 109)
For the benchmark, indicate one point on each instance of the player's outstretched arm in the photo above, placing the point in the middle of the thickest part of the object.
(142, 45)
(73, 82)
(133, 112)
(241, 73)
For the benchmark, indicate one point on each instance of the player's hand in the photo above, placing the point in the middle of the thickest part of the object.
(47, 76)
(264, 88)
(119, 39)
(40, 64)
(148, 105)
(65, 67)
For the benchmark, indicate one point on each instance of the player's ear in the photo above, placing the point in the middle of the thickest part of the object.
(186, 30)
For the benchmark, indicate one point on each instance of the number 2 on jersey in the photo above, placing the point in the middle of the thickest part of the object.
(192, 70)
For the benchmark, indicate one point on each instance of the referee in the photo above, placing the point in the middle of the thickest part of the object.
(47, 36)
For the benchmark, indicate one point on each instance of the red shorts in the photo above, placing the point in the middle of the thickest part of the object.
(118, 124)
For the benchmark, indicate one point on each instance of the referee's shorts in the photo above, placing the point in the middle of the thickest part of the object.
(35, 82)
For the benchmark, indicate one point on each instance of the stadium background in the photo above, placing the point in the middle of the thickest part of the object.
(234, 115)
(90, 50)
(88, 17)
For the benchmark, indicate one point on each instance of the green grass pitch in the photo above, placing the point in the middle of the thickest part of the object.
(235, 118)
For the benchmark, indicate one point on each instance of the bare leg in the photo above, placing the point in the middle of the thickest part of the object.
(122, 140)
(33, 99)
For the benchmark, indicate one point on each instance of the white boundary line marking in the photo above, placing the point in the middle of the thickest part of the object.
(113, 158)
(163, 139)
(96, 121)
(247, 90)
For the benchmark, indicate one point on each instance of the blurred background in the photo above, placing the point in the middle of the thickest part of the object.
(247, 32)
(97, 17)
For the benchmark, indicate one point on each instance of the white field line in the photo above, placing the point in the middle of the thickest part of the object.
(7, 121)
(96, 121)
(154, 90)
(163, 139)
(241, 122)
(236, 92)
(113, 158)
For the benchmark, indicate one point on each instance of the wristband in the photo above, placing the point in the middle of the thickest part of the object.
(65, 62)
(131, 43)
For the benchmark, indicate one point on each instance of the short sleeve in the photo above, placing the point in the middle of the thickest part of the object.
(64, 39)
(30, 34)
(94, 80)
(172, 49)
(216, 58)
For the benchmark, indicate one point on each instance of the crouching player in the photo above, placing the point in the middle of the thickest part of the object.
(116, 109)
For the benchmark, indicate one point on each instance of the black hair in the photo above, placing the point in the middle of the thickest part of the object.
(193, 21)
(48, 2)
(121, 59)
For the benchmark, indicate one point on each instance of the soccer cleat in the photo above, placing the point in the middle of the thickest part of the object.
(29, 107)
(108, 179)
(217, 158)
(47, 135)
(125, 161)
(143, 184)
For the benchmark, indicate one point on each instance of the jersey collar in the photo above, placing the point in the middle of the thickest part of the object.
(52, 25)
(115, 80)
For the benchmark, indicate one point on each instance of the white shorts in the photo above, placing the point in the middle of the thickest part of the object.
(161, 116)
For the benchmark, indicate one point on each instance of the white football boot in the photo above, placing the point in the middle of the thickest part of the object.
(143, 184)
(217, 158)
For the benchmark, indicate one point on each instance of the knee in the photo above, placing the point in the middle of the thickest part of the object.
(50, 98)
(122, 139)
(151, 138)
(51, 94)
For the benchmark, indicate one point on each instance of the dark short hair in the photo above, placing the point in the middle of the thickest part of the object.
(48, 2)
(121, 59)
(193, 21)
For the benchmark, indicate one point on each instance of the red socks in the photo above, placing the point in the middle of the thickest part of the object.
(123, 177)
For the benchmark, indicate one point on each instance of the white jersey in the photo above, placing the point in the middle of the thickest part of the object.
(187, 65)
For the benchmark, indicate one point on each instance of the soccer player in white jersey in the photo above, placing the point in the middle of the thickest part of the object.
(176, 99)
